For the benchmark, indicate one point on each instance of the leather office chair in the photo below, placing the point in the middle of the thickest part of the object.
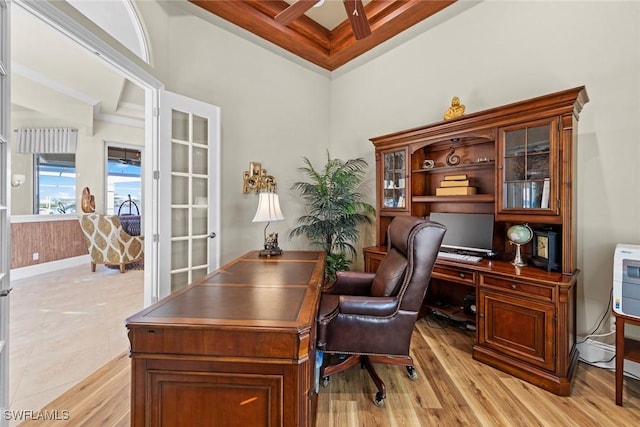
(370, 317)
(108, 243)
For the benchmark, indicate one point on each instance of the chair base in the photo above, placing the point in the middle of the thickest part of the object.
(367, 361)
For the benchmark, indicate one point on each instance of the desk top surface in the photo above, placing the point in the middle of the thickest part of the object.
(500, 268)
(249, 291)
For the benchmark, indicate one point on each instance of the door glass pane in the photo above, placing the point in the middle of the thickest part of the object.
(179, 254)
(179, 125)
(179, 280)
(394, 180)
(200, 130)
(180, 222)
(526, 167)
(179, 190)
(200, 161)
(199, 251)
(197, 273)
(199, 221)
(514, 142)
(179, 157)
(538, 139)
(200, 191)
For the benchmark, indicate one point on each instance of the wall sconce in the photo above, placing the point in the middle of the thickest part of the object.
(17, 180)
(256, 179)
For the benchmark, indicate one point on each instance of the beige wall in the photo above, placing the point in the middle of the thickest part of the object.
(272, 111)
(500, 52)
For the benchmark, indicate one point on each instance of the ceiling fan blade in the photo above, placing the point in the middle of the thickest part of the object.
(357, 18)
(294, 11)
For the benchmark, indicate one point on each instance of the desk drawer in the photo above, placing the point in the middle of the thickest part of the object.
(544, 293)
(453, 274)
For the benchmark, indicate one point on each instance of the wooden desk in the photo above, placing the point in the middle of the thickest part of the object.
(234, 349)
(525, 317)
(626, 348)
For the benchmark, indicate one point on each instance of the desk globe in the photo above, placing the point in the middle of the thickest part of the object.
(519, 235)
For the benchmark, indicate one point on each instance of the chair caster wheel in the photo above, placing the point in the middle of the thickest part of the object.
(412, 372)
(325, 381)
(379, 399)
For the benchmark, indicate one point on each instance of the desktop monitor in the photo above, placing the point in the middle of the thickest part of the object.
(466, 232)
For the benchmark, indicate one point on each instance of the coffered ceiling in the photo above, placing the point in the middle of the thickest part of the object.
(313, 36)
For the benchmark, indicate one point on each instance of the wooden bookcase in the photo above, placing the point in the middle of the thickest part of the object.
(525, 316)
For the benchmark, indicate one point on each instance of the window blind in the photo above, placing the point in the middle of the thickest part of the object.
(51, 140)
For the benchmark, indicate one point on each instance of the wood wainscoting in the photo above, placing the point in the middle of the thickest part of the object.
(52, 240)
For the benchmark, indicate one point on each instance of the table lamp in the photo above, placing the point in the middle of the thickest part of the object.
(269, 210)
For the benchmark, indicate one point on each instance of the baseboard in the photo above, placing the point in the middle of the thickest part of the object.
(47, 267)
(603, 355)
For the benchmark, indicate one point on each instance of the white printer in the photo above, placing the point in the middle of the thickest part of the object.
(626, 280)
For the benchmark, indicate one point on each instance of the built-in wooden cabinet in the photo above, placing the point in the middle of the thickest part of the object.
(520, 161)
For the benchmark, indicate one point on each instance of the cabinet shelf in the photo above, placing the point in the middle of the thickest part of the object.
(466, 167)
(476, 198)
(453, 313)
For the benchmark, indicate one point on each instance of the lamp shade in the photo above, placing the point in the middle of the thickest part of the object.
(268, 208)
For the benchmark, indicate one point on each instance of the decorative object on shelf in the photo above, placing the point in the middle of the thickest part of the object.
(483, 160)
(519, 234)
(428, 164)
(256, 179)
(17, 180)
(335, 209)
(546, 250)
(452, 158)
(269, 210)
(88, 202)
(456, 109)
(455, 185)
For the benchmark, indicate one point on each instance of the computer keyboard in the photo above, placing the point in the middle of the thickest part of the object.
(460, 257)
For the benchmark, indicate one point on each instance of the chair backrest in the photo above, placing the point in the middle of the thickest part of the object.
(405, 271)
(106, 238)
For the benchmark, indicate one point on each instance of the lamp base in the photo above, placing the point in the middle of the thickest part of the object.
(270, 252)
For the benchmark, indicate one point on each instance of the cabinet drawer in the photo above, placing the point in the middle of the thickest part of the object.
(457, 275)
(536, 291)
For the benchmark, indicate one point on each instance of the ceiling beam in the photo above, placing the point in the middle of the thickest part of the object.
(294, 11)
(307, 39)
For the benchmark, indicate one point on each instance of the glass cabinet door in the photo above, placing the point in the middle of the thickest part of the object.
(394, 175)
(528, 159)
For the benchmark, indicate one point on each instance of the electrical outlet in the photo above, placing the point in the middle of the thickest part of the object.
(36, 256)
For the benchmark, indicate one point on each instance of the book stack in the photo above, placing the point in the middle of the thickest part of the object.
(455, 185)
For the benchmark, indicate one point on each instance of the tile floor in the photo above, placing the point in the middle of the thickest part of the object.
(63, 326)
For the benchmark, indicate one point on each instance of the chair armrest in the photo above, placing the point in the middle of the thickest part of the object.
(368, 306)
(351, 283)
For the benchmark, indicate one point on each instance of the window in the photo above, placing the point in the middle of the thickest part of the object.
(124, 187)
(55, 183)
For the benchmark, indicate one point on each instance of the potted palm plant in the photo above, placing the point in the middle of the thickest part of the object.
(335, 209)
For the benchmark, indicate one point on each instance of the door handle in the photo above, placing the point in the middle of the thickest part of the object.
(212, 235)
(5, 292)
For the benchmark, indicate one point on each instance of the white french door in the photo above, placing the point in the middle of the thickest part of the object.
(189, 214)
(5, 227)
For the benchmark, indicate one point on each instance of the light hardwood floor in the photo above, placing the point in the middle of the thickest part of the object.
(64, 325)
(452, 390)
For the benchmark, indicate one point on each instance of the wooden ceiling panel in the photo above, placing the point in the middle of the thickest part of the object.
(314, 43)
